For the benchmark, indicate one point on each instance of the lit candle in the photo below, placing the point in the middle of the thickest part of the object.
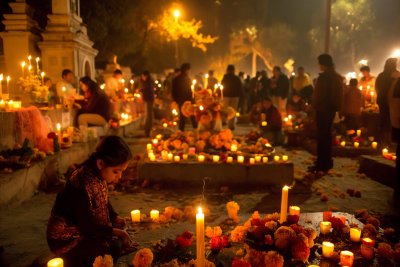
(10, 105)
(276, 158)
(368, 242)
(233, 147)
(135, 215)
(258, 158)
(2, 106)
(174, 123)
(284, 204)
(30, 63)
(170, 156)
(264, 123)
(327, 249)
(42, 74)
(240, 159)
(343, 143)
(8, 85)
(132, 84)
(293, 210)
(23, 68)
(355, 234)
(374, 145)
(155, 142)
(185, 156)
(200, 238)
(59, 132)
(284, 157)
(216, 158)
(325, 227)
(327, 215)
(358, 133)
(229, 159)
(164, 155)
(154, 214)
(57, 262)
(251, 161)
(356, 144)
(17, 104)
(342, 218)
(384, 152)
(201, 158)
(152, 157)
(193, 91)
(177, 158)
(165, 125)
(346, 258)
(29, 68)
(37, 65)
(222, 92)
(265, 159)
(192, 150)
(149, 146)
(367, 252)
(206, 83)
(159, 136)
(215, 88)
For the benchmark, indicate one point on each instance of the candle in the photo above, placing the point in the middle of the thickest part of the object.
(284, 204)
(155, 142)
(177, 158)
(164, 155)
(42, 74)
(57, 262)
(170, 156)
(374, 145)
(264, 123)
(265, 159)
(215, 88)
(185, 156)
(342, 218)
(135, 215)
(152, 157)
(325, 227)
(343, 143)
(2, 106)
(206, 83)
(8, 84)
(276, 158)
(293, 210)
(284, 157)
(30, 63)
(384, 152)
(358, 133)
(17, 104)
(174, 123)
(10, 105)
(356, 144)
(23, 67)
(258, 158)
(327, 215)
(355, 234)
(149, 146)
(193, 91)
(229, 159)
(154, 214)
(201, 158)
(233, 147)
(192, 150)
(216, 158)
(222, 92)
(240, 159)
(132, 84)
(165, 125)
(59, 133)
(37, 65)
(346, 258)
(368, 242)
(367, 252)
(200, 238)
(251, 161)
(327, 249)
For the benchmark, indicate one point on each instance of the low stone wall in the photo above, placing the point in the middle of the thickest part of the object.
(339, 151)
(379, 169)
(221, 174)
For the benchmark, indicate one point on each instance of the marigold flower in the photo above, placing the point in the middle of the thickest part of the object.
(271, 225)
(255, 257)
(324, 197)
(183, 242)
(353, 225)
(346, 230)
(232, 205)
(273, 259)
(106, 261)
(268, 240)
(389, 232)
(236, 219)
(385, 250)
(193, 263)
(240, 263)
(210, 232)
(206, 211)
(256, 215)
(299, 249)
(177, 214)
(161, 219)
(303, 238)
(143, 258)
(374, 221)
(282, 236)
(370, 230)
(247, 225)
(238, 234)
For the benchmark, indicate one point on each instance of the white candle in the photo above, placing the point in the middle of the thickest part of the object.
(149, 147)
(325, 227)
(216, 158)
(258, 158)
(200, 238)
(355, 234)
(2, 106)
(284, 204)
(265, 159)
(57, 262)
(222, 92)
(384, 152)
(240, 159)
(42, 74)
(229, 159)
(59, 132)
(327, 249)
(154, 214)
(10, 105)
(293, 210)
(284, 157)
(170, 156)
(206, 83)
(152, 157)
(276, 158)
(251, 161)
(177, 158)
(374, 145)
(193, 91)
(132, 84)
(17, 104)
(135, 215)
(201, 158)
(233, 147)
(8, 85)
(356, 144)
(358, 133)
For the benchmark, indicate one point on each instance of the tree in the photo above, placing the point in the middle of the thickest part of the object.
(351, 30)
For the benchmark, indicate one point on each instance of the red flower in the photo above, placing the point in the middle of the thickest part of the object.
(184, 243)
(299, 249)
(299, 229)
(51, 135)
(240, 263)
(225, 241)
(260, 232)
(291, 219)
(256, 222)
(337, 223)
(216, 243)
(187, 235)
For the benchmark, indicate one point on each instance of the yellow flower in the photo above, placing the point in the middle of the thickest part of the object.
(143, 258)
(238, 234)
(210, 232)
(106, 261)
(177, 215)
(256, 215)
(273, 259)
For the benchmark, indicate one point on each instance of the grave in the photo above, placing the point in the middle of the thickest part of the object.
(379, 169)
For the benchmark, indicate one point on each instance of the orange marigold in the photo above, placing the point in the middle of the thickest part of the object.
(238, 234)
(255, 258)
(177, 214)
(324, 197)
(210, 232)
(106, 261)
(385, 250)
(389, 232)
(374, 221)
(143, 258)
(370, 230)
(273, 259)
(268, 240)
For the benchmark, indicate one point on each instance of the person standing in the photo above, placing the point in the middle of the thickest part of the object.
(367, 83)
(394, 107)
(212, 81)
(382, 86)
(301, 80)
(242, 99)
(146, 87)
(182, 92)
(327, 100)
(352, 103)
(232, 91)
(253, 90)
(264, 86)
(113, 84)
(279, 90)
(67, 77)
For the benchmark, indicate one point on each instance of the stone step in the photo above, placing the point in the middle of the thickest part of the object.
(379, 169)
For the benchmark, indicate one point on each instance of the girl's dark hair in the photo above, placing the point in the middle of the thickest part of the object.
(112, 150)
(390, 65)
(93, 87)
(325, 60)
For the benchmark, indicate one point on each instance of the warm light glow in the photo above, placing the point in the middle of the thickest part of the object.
(222, 88)
(126, 90)
(165, 125)
(286, 119)
(58, 127)
(372, 93)
(286, 187)
(396, 53)
(57, 262)
(63, 89)
(138, 95)
(290, 117)
(200, 211)
(29, 57)
(194, 82)
(8, 78)
(192, 87)
(206, 76)
(216, 86)
(201, 108)
(159, 85)
(37, 59)
(42, 74)
(293, 73)
(363, 62)
(23, 64)
(102, 86)
(361, 87)
(176, 13)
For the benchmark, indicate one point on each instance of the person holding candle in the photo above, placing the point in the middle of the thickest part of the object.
(233, 90)
(79, 228)
(146, 87)
(367, 83)
(182, 92)
(67, 77)
(352, 104)
(296, 107)
(273, 130)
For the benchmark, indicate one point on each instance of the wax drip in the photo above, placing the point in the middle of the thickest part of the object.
(203, 199)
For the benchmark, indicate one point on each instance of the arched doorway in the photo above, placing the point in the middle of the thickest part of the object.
(88, 71)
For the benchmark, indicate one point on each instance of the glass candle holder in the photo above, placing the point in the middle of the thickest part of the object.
(185, 156)
(240, 159)
(251, 161)
(327, 249)
(327, 215)
(177, 158)
(216, 158)
(154, 214)
(367, 252)
(201, 158)
(374, 145)
(356, 144)
(284, 158)
(355, 234)
(276, 158)
(170, 157)
(265, 159)
(346, 258)
(325, 227)
(293, 210)
(229, 160)
(135, 215)
(257, 158)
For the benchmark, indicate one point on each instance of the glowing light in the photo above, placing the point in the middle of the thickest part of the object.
(200, 211)
(293, 73)
(201, 108)
(361, 87)
(159, 85)
(156, 82)
(102, 86)
(138, 95)
(363, 62)
(176, 13)
(122, 81)
(126, 90)
(222, 88)
(8, 78)
(206, 76)
(194, 82)
(290, 117)
(37, 59)
(23, 64)
(63, 89)
(396, 53)
(216, 86)
(42, 74)
(132, 81)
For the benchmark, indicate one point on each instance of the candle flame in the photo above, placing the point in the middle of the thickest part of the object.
(200, 210)
(206, 76)
(361, 87)
(372, 93)
(132, 81)
(222, 88)
(2, 101)
(328, 244)
(1, 77)
(29, 57)
(10, 102)
(122, 80)
(216, 86)
(138, 95)
(55, 262)
(8, 78)
(201, 108)
(126, 90)
(23, 64)
(290, 117)
(385, 150)
(192, 87)
(58, 126)
(30, 67)
(286, 119)
(286, 187)
(194, 82)
(37, 59)
(63, 88)
(42, 74)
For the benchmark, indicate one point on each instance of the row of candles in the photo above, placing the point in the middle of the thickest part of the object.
(9, 105)
(357, 144)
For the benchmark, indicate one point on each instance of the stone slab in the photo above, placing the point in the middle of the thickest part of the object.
(343, 152)
(379, 169)
(221, 174)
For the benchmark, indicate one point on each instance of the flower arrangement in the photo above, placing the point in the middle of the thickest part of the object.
(32, 86)
(106, 261)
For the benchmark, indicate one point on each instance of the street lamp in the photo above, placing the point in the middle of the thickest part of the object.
(176, 14)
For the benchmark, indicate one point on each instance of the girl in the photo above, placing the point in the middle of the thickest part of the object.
(79, 228)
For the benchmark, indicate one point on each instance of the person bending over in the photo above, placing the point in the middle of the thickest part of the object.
(273, 130)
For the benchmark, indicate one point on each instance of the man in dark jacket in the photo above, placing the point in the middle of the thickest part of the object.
(232, 91)
(327, 100)
(182, 92)
(279, 89)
